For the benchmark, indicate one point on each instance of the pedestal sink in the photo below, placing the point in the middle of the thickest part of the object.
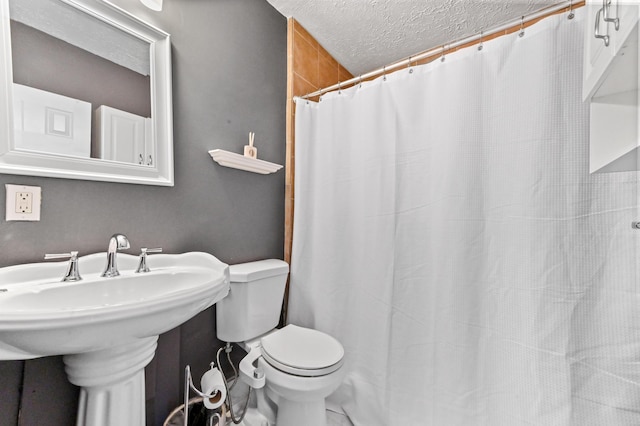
(106, 328)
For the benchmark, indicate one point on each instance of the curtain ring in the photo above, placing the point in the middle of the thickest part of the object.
(442, 57)
(409, 66)
(359, 81)
(571, 14)
(521, 33)
(339, 88)
(480, 46)
(384, 73)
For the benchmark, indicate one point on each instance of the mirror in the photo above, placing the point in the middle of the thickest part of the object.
(85, 93)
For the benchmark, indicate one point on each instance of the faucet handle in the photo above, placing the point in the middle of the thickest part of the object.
(61, 255)
(72, 273)
(142, 264)
(151, 250)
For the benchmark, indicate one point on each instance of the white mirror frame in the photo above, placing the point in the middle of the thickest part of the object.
(42, 164)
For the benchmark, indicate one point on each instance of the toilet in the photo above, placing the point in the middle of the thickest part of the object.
(298, 367)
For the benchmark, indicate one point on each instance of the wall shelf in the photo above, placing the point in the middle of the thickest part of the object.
(238, 161)
(611, 85)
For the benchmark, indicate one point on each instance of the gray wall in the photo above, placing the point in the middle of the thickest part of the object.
(229, 78)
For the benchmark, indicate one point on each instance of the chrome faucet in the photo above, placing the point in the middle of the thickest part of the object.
(117, 242)
(72, 273)
(142, 260)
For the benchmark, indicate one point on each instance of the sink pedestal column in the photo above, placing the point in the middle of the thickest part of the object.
(112, 382)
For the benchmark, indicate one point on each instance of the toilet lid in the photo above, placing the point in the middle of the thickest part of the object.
(302, 351)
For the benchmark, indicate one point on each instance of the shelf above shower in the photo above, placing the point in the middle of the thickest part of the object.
(611, 85)
(238, 161)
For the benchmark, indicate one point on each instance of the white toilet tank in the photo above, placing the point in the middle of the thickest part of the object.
(253, 304)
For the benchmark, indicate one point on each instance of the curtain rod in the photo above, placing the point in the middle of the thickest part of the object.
(449, 46)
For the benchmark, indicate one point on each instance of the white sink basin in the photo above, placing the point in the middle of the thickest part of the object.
(106, 324)
(41, 316)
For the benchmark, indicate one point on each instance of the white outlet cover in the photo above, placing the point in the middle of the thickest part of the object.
(11, 195)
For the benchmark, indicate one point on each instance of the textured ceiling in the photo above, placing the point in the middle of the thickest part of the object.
(364, 35)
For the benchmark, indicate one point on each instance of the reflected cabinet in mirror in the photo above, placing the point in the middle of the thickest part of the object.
(85, 93)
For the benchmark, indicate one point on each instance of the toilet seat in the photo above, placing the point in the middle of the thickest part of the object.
(302, 352)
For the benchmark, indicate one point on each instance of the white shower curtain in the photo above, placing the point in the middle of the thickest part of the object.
(448, 233)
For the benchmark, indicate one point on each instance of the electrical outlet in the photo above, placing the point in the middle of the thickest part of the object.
(23, 202)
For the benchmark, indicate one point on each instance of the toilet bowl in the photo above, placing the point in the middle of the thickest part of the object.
(300, 368)
(297, 366)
